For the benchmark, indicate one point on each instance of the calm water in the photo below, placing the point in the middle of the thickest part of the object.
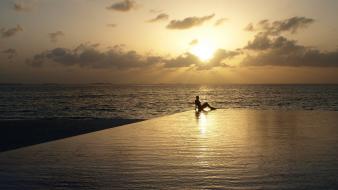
(149, 101)
(223, 149)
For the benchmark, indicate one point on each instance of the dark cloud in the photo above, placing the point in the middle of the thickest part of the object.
(260, 42)
(20, 6)
(6, 33)
(88, 56)
(220, 21)
(249, 27)
(188, 22)
(193, 42)
(269, 33)
(305, 57)
(269, 47)
(160, 17)
(112, 25)
(264, 42)
(24, 6)
(123, 6)
(280, 51)
(37, 61)
(221, 56)
(11, 53)
(184, 60)
(87, 45)
(292, 25)
(54, 37)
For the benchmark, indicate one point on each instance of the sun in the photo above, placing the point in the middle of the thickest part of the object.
(203, 50)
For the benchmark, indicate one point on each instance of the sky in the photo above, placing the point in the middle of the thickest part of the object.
(176, 41)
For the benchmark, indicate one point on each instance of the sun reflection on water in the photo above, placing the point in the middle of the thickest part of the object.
(202, 121)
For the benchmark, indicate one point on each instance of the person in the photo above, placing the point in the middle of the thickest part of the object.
(201, 106)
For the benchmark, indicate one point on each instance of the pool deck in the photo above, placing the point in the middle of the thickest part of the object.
(225, 149)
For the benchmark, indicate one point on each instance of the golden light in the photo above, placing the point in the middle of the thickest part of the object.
(204, 50)
(202, 122)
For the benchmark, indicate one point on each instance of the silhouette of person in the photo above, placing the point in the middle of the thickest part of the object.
(201, 106)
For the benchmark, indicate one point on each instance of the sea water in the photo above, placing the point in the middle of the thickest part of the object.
(148, 101)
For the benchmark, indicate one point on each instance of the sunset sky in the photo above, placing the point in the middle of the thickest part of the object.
(176, 41)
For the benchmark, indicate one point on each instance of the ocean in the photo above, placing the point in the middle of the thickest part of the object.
(49, 101)
(262, 146)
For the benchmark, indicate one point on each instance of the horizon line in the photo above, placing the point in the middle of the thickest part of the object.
(109, 83)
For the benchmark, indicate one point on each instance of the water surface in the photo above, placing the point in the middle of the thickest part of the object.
(149, 101)
(226, 149)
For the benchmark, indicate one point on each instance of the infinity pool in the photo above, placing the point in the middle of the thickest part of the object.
(225, 149)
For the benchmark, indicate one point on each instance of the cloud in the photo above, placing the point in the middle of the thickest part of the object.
(6, 33)
(221, 56)
(249, 28)
(220, 21)
(123, 6)
(160, 17)
(268, 48)
(21, 7)
(11, 53)
(24, 6)
(291, 25)
(187, 59)
(88, 56)
(304, 58)
(193, 42)
(155, 11)
(189, 22)
(184, 60)
(54, 37)
(112, 25)
(263, 41)
(272, 50)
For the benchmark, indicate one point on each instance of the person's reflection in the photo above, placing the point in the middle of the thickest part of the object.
(199, 114)
(201, 120)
